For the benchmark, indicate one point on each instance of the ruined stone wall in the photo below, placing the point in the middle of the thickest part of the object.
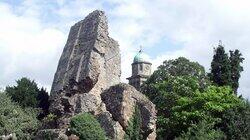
(89, 53)
(87, 80)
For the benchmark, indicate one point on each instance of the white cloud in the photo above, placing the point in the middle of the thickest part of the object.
(27, 49)
(195, 25)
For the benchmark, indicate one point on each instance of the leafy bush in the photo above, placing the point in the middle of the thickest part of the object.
(15, 119)
(49, 121)
(204, 130)
(212, 103)
(86, 127)
(236, 122)
(133, 131)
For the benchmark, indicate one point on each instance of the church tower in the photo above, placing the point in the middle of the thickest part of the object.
(141, 70)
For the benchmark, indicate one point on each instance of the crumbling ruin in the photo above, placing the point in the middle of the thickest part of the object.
(88, 80)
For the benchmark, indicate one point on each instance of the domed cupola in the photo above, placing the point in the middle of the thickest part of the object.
(141, 70)
(140, 57)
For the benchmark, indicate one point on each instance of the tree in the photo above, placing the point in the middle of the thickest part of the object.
(212, 103)
(86, 127)
(43, 103)
(178, 67)
(133, 131)
(235, 60)
(221, 68)
(186, 98)
(25, 93)
(204, 130)
(16, 119)
(236, 122)
(171, 81)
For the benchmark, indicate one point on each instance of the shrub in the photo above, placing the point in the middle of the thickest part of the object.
(49, 121)
(15, 119)
(204, 130)
(133, 131)
(86, 127)
(236, 122)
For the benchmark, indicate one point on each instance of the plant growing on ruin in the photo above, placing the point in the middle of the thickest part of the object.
(86, 127)
(133, 131)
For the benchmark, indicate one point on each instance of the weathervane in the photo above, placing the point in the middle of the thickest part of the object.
(140, 48)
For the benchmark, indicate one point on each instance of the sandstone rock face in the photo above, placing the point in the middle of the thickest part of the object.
(89, 57)
(87, 80)
(120, 101)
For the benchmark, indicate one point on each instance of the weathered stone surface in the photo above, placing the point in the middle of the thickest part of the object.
(89, 68)
(86, 58)
(90, 63)
(9, 137)
(73, 137)
(112, 128)
(120, 101)
(54, 134)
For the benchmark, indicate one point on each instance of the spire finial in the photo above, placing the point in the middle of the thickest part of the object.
(140, 48)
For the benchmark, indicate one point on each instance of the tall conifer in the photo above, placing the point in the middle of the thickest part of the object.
(220, 67)
(235, 60)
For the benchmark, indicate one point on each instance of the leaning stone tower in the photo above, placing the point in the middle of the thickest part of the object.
(141, 70)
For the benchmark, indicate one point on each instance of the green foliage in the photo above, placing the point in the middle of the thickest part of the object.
(43, 103)
(236, 122)
(226, 71)
(182, 66)
(165, 95)
(204, 130)
(133, 131)
(171, 81)
(25, 93)
(213, 103)
(49, 121)
(86, 127)
(235, 60)
(15, 119)
(184, 97)
(220, 68)
(179, 67)
(50, 117)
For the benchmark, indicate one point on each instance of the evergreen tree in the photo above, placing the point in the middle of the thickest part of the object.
(43, 103)
(235, 60)
(220, 68)
(25, 93)
(133, 131)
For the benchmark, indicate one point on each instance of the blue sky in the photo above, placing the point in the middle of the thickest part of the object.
(33, 33)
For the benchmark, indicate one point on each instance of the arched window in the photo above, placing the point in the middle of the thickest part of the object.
(141, 67)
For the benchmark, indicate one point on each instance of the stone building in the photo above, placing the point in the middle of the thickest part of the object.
(141, 70)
